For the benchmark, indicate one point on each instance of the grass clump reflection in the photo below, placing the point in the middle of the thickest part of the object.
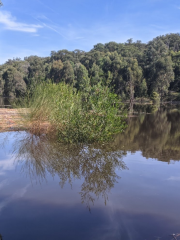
(95, 165)
(91, 116)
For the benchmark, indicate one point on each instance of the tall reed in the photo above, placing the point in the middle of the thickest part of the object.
(74, 116)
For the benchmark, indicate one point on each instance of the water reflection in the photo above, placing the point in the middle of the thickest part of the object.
(95, 165)
(4, 102)
(156, 135)
(142, 205)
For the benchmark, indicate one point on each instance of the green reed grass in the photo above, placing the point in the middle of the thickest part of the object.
(74, 116)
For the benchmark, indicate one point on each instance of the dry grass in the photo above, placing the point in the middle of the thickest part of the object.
(15, 120)
(9, 119)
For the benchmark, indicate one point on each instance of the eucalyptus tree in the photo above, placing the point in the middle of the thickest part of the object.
(133, 75)
(99, 47)
(68, 73)
(56, 71)
(96, 74)
(172, 41)
(81, 76)
(158, 67)
(175, 86)
(14, 83)
(163, 76)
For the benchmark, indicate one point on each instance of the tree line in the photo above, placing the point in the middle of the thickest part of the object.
(130, 69)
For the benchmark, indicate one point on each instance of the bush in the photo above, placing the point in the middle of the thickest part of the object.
(74, 116)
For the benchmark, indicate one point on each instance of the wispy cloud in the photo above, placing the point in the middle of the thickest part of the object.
(173, 178)
(54, 30)
(19, 194)
(11, 23)
(42, 18)
(6, 165)
(46, 6)
(76, 32)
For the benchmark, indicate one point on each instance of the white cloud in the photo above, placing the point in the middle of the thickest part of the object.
(10, 23)
(7, 164)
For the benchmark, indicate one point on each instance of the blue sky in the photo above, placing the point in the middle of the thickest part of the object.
(37, 27)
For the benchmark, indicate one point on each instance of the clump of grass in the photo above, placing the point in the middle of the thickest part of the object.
(73, 116)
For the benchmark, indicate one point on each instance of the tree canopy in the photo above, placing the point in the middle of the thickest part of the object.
(130, 69)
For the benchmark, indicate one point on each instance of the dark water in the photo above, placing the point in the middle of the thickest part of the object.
(5, 102)
(129, 189)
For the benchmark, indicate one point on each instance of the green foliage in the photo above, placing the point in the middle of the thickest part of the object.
(75, 118)
(133, 75)
(130, 69)
(56, 71)
(156, 135)
(141, 88)
(68, 73)
(155, 97)
(82, 79)
(158, 68)
(14, 84)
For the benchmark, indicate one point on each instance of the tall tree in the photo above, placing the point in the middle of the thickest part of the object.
(56, 71)
(133, 75)
(158, 67)
(14, 83)
(68, 73)
(81, 75)
(163, 76)
(175, 86)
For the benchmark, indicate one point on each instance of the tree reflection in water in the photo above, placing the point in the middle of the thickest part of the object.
(156, 135)
(95, 165)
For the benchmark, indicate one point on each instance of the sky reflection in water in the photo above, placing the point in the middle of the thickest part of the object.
(129, 189)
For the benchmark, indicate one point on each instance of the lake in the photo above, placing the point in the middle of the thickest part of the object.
(128, 189)
(4, 102)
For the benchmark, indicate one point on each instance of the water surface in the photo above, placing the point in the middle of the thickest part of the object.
(129, 189)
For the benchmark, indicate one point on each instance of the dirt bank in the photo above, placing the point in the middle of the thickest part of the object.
(14, 120)
(10, 119)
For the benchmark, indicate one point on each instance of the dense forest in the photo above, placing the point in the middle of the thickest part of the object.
(130, 69)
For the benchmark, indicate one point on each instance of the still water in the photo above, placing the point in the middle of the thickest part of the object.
(4, 102)
(129, 189)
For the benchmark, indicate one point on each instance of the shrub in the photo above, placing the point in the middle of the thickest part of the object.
(74, 116)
